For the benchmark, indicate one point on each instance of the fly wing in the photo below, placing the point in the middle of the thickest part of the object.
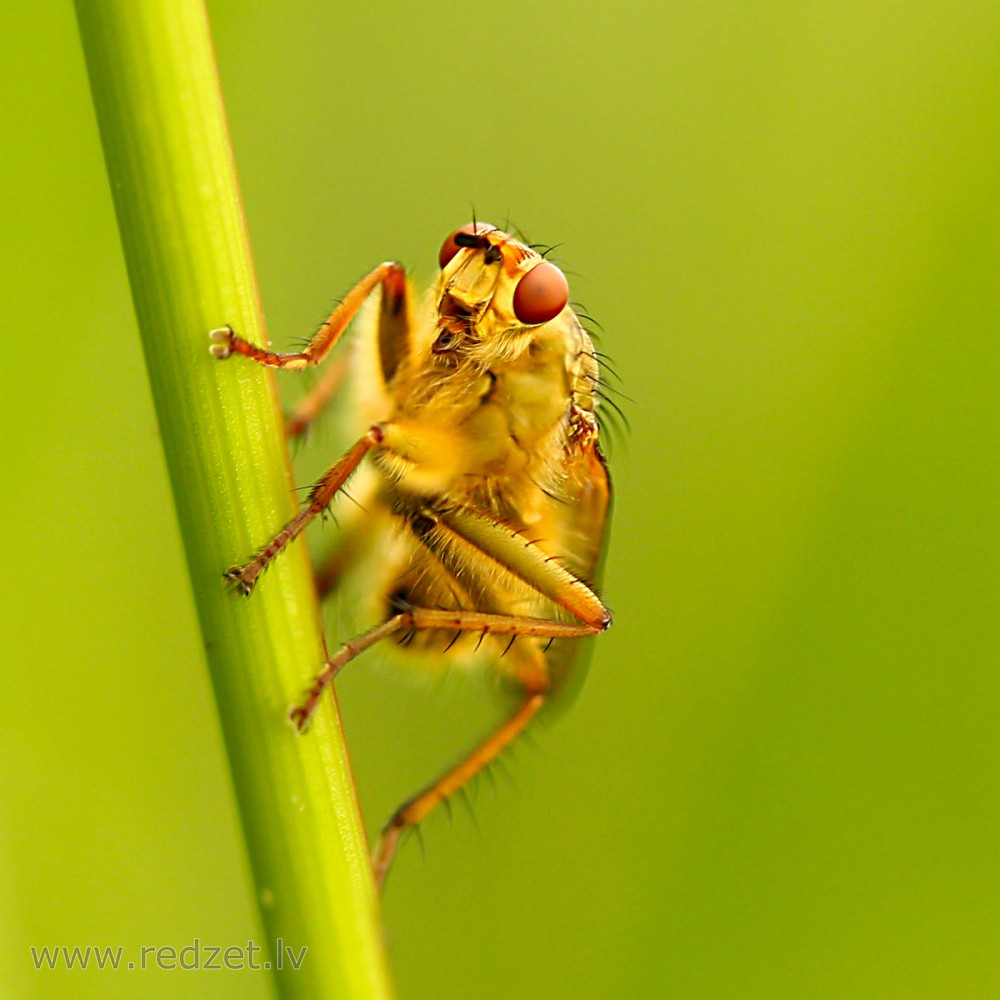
(584, 520)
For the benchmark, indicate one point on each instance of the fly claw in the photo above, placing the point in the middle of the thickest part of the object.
(299, 717)
(222, 342)
(235, 576)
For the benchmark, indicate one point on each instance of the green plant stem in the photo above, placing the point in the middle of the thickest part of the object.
(156, 93)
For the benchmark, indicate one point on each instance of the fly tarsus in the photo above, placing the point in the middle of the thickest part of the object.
(225, 342)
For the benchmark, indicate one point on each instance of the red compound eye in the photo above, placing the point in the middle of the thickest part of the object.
(449, 248)
(541, 294)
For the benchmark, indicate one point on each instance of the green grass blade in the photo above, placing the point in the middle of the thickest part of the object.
(156, 93)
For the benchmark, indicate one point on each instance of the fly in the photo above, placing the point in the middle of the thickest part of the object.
(487, 496)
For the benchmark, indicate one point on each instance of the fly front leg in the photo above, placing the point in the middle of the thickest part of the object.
(394, 324)
(322, 494)
(225, 341)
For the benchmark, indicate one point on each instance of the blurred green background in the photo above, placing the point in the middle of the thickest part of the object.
(780, 777)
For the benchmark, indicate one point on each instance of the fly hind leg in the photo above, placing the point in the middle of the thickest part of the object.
(534, 683)
(428, 619)
(445, 530)
(413, 811)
